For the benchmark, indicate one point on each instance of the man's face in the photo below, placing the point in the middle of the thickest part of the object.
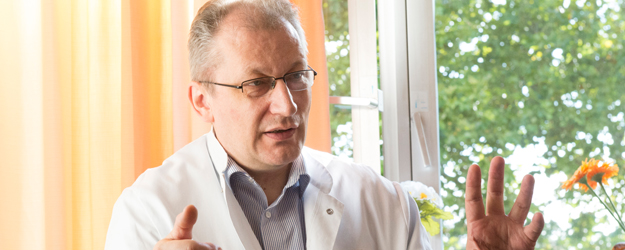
(262, 133)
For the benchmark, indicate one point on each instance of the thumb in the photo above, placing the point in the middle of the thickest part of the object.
(184, 224)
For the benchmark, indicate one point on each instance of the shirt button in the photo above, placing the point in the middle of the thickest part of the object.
(268, 214)
(330, 211)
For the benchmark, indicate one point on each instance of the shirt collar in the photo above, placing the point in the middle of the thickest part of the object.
(295, 175)
(222, 163)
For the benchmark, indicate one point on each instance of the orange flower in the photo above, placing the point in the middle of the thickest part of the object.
(601, 173)
(578, 177)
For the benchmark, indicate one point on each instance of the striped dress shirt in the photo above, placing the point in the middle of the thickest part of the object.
(279, 225)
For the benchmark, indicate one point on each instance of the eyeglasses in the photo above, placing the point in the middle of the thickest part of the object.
(295, 81)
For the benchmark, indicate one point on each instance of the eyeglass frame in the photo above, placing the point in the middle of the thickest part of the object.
(273, 84)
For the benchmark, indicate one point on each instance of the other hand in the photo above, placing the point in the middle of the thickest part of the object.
(494, 229)
(180, 236)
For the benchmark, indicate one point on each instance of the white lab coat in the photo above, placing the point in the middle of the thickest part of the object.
(346, 205)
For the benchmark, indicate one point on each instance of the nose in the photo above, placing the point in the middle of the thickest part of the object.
(281, 100)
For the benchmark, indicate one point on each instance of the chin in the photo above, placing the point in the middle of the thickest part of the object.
(281, 155)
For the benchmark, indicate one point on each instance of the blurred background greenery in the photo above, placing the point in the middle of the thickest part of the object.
(337, 53)
(540, 82)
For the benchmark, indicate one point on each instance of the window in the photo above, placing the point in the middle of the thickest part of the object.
(337, 50)
(408, 80)
(538, 82)
(353, 77)
(541, 83)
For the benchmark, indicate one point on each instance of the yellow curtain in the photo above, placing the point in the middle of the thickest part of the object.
(86, 106)
(92, 93)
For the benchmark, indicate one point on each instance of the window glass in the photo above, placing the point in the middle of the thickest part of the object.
(542, 83)
(337, 53)
(336, 20)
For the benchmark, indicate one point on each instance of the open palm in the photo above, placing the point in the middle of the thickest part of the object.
(494, 229)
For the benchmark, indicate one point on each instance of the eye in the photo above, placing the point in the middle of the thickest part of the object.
(255, 83)
(257, 87)
(259, 82)
(297, 75)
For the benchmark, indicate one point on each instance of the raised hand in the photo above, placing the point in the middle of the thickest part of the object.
(493, 229)
(180, 236)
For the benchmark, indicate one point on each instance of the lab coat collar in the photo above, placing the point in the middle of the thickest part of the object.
(219, 159)
(218, 156)
(322, 212)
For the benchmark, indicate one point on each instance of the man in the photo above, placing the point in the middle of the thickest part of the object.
(251, 184)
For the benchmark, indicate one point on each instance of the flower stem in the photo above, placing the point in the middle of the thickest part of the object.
(608, 208)
(613, 207)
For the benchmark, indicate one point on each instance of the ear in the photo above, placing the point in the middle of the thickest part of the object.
(201, 101)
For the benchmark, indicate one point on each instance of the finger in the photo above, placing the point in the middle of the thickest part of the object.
(212, 246)
(473, 203)
(184, 224)
(168, 244)
(494, 193)
(523, 201)
(532, 231)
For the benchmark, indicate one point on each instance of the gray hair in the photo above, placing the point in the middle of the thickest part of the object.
(267, 14)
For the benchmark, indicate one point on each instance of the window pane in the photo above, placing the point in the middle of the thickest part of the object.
(541, 83)
(338, 58)
(337, 54)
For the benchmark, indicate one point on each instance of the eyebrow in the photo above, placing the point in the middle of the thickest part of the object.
(257, 71)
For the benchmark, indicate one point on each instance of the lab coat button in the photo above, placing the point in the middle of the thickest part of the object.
(330, 211)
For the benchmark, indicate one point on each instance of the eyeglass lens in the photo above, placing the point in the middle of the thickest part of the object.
(295, 81)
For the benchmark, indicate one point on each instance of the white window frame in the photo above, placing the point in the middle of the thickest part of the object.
(409, 90)
(408, 79)
(364, 82)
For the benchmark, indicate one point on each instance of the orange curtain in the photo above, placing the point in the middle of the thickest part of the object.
(93, 93)
(318, 135)
(86, 106)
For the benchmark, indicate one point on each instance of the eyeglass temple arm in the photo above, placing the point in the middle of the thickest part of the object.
(221, 84)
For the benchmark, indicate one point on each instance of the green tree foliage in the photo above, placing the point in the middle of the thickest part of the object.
(514, 74)
(337, 54)
(517, 73)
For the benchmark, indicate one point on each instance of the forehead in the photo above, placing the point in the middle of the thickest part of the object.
(244, 41)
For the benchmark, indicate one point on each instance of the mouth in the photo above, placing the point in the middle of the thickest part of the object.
(280, 130)
(281, 134)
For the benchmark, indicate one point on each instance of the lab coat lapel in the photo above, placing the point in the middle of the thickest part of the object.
(219, 159)
(322, 212)
(244, 230)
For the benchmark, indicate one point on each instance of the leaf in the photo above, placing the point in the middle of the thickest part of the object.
(427, 209)
(443, 215)
(430, 225)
